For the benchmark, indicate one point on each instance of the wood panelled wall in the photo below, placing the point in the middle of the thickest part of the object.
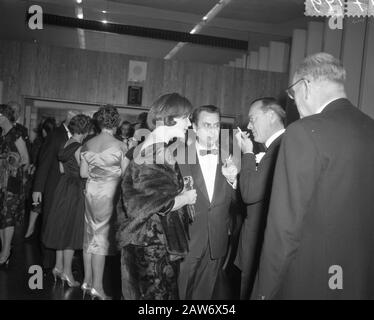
(28, 69)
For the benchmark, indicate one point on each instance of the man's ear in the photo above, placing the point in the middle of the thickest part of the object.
(272, 116)
(306, 90)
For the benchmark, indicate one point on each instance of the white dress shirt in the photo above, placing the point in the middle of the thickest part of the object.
(268, 142)
(274, 136)
(208, 165)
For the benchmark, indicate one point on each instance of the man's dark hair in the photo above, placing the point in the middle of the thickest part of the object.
(207, 108)
(271, 103)
(48, 125)
(130, 132)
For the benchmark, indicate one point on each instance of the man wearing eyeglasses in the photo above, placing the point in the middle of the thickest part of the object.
(266, 121)
(201, 276)
(319, 235)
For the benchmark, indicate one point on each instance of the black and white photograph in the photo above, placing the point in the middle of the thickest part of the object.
(200, 154)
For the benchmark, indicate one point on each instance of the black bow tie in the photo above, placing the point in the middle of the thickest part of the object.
(206, 152)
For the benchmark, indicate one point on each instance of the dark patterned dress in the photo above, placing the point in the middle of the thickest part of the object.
(12, 196)
(153, 239)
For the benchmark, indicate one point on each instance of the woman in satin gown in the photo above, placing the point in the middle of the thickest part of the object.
(103, 166)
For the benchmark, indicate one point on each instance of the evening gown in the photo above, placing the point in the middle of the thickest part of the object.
(104, 170)
(65, 223)
(12, 197)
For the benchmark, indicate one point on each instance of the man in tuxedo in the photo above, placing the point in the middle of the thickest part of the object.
(201, 276)
(48, 175)
(266, 121)
(319, 233)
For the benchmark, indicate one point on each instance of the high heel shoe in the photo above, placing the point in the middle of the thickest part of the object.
(6, 261)
(56, 274)
(86, 288)
(71, 283)
(95, 294)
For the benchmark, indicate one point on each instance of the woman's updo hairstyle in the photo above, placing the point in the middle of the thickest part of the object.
(80, 124)
(107, 117)
(7, 112)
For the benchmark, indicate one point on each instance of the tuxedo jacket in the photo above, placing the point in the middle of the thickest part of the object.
(48, 173)
(212, 223)
(319, 235)
(255, 187)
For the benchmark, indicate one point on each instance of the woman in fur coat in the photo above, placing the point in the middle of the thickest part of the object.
(153, 220)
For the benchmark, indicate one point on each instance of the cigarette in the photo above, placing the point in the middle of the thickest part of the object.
(241, 132)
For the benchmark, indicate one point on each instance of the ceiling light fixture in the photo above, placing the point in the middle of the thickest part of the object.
(79, 12)
(175, 50)
(204, 21)
(104, 11)
(104, 21)
(196, 29)
(79, 1)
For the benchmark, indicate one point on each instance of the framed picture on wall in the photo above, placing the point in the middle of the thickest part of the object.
(134, 95)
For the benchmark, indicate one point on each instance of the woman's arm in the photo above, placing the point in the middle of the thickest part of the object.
(61, 166)
(77, 155)
(84, 168)
(22, 149)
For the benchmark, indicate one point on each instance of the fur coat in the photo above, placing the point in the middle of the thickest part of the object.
(149, 187)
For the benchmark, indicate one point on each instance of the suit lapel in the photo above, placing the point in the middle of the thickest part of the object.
(273, 145)
(198, 178)
(219, 184)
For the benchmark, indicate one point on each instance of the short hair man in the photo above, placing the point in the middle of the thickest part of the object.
(266, 118)
(319, 233)
(201, 276)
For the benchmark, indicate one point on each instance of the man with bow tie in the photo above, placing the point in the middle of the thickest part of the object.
(201, 275)
(266, 118)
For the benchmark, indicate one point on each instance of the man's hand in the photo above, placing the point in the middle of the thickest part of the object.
(36, 197)
(244, 142)
(190, 197)
(230, 171)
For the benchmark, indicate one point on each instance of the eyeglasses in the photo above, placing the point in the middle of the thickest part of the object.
(211, 126)
(291, 92)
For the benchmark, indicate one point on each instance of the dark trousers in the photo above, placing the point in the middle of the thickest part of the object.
(202, 278)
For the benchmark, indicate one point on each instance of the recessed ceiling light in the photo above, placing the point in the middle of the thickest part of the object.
(79, 1)
(104, 11)
(79, 12)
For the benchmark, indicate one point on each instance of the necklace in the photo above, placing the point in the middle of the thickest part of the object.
(108, 131)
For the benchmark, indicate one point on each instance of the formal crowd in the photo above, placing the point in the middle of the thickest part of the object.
(165, 194)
